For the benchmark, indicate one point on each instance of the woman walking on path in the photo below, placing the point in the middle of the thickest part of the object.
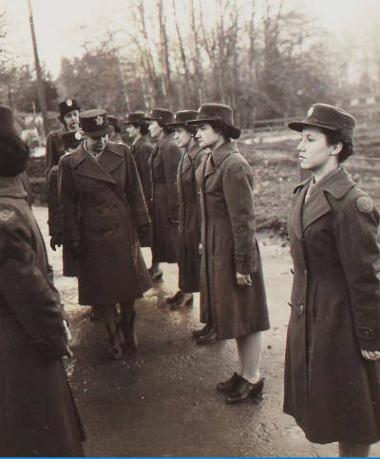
(232, 287)
(331, 375)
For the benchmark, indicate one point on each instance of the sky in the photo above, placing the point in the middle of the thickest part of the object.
(57, 20)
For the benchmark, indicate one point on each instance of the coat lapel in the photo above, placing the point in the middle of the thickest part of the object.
(85, 165)
(295, 219)
(315, 208)
(111, 159)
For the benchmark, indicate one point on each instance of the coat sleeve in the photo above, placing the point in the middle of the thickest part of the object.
(51, 152)
(25, 289)
(238, 194)
(356, 238)
(171, 158)
(68, 200)
(54, 215)
(134, 193)
(146, 182)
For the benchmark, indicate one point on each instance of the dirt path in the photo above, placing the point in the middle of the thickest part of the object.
(162, 400)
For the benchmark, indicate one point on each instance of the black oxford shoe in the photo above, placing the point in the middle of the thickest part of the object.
(229, 385)
(202, 331)
(245, 391)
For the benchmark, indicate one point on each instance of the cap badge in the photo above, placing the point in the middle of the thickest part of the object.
(99, 120)
(69, 102)
(310, 112)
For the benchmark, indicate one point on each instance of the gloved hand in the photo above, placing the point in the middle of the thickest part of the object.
(74, 249)
(55, 241)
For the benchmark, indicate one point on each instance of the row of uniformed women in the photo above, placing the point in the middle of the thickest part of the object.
(332, 373)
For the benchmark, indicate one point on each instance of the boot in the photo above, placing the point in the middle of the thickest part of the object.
(127, 325)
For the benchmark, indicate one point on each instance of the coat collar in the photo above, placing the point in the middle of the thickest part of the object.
(338, 183)
(189, 157)
(216, 158)
(110, 160)
(12, 187)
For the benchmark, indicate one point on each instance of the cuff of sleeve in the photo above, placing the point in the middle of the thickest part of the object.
(245, 266)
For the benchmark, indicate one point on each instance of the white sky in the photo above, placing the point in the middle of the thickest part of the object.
(56, 21)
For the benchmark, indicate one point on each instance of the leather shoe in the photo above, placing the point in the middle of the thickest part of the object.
(176, 298)
(202, 331)
(209, 338)
(187, 300)
(244, 391)
(229, 385)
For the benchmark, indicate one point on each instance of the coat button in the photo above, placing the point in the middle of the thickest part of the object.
(301, 307)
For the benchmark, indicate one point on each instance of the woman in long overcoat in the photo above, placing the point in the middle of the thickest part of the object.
(103, 207)
(71, 140)
(232, 287)
(164, 166)
(331, 377)
(38, 413)
(141, 149)
(189, 232)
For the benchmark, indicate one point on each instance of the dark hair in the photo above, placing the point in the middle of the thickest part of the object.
(165, 128)
(143, 128)
(14, 155)
(220, 128)
(334, 138)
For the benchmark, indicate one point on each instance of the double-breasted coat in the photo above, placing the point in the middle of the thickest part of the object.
(229, 245)
(103, 205)
(164, 166)
(38, 413)
(189, 228)
(142, 152)
(330, 389)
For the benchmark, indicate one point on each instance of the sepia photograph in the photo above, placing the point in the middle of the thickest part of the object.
(189, 228)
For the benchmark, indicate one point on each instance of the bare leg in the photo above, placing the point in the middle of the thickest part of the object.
(250, 349)
(348, 449)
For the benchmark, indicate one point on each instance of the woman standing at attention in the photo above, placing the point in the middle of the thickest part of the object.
(232, 286)
(331, 374)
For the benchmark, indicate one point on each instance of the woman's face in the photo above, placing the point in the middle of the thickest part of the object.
(313, 149)
(182, 136)
(154, 129)
(206, 136)
(132, 131)
(71, 120)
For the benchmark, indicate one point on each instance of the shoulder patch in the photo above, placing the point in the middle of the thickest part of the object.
(6, 215)
(365, 204)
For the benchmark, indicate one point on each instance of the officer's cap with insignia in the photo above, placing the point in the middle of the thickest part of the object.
(67, 106)
(328, 117)
(94, 123)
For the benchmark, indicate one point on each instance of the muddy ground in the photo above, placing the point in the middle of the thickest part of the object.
(162, 400)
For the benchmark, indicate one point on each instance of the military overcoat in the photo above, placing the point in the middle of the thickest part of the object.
(103, 205)
(164, 166)
(54, 149)
(189, 229)
(229, 245)
(55, 224)
(38, 413)
(142, 152)
(330, 389)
